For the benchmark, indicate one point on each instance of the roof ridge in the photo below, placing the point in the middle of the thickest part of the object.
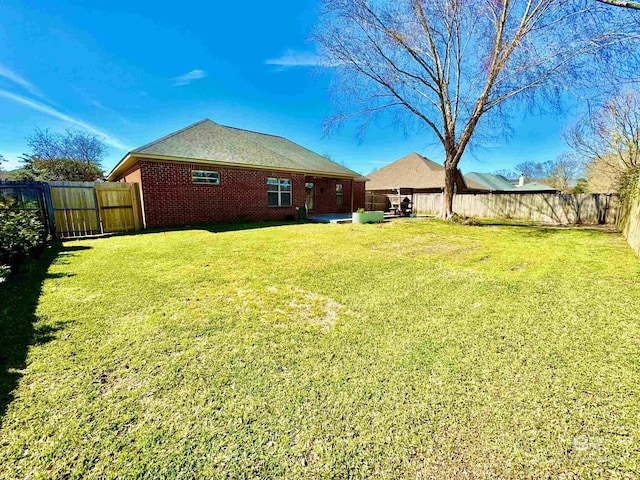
(264, 147)
(294, 143)
(428, 162)
(150, 144)
(321, 156)
(252, 131)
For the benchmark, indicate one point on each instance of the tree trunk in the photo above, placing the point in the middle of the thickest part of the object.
(449, 191)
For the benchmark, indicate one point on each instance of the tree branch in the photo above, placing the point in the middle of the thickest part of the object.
(621, 3)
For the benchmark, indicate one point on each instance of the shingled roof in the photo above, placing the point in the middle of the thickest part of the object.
(209, 142)
(412, 171)
(498, 183)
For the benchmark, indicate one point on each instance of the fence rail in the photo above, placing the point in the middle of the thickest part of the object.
(77, 209)
(553, 208)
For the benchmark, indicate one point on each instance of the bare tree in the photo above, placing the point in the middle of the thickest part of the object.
(72, 145)
(567, 168)
(445, 65)
(536, 170)
(506, 173)
(559, 173)
(609, 141)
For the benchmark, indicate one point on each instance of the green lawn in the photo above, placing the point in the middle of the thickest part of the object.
(410, 349)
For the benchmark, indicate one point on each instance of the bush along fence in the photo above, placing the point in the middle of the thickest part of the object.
(551, 208)
(22, 232)
(76, 209)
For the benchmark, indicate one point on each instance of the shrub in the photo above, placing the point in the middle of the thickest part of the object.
(21, 234)
(469, 221)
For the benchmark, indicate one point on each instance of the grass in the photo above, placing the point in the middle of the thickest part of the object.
(413, 349)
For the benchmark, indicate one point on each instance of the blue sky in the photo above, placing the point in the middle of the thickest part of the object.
(135, 71)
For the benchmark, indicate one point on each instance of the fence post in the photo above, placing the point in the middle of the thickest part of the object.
(95, 199)
(50, 214)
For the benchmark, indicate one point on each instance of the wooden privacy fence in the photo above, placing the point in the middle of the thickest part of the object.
(376, 202)
(553, 208)
(75, 210)
(78, 209)
(86, 208)
(629, 222)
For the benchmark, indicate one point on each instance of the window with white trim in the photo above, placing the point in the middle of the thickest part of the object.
(205, 176)
(339, 194)
(279, 192)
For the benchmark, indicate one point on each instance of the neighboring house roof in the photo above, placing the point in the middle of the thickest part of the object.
(535, 187)
(490, 181)
(498, 183)
(412, 171)
(209, 142)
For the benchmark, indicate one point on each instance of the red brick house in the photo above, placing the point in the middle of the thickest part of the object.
(210, 173)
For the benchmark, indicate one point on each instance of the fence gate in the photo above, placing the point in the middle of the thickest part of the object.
(118, 205)
(376, 202)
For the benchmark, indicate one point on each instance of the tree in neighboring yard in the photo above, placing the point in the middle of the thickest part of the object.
(72, 156)
(73, 144)
(58, 169)
(506, 173)
(4, 175)
(581, 186)
(609, 142)
(445, 65)
(559, 173)
(566, 168)
(538, 171)
(20, 175)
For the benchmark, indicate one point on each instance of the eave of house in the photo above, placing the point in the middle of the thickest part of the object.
(131, 158)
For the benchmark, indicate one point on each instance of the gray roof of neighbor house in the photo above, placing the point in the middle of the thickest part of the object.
(412, 171)
(535, 187)
(209, 142)
(490, 181)
(498, 183)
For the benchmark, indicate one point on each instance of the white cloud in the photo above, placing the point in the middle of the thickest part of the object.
(99, 105)
(188, 77)
(292, 58)
(18, 79)
(46, 109)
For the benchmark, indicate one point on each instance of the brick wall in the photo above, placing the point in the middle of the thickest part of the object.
(170, 197)
(325, 194)
(358, 195)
